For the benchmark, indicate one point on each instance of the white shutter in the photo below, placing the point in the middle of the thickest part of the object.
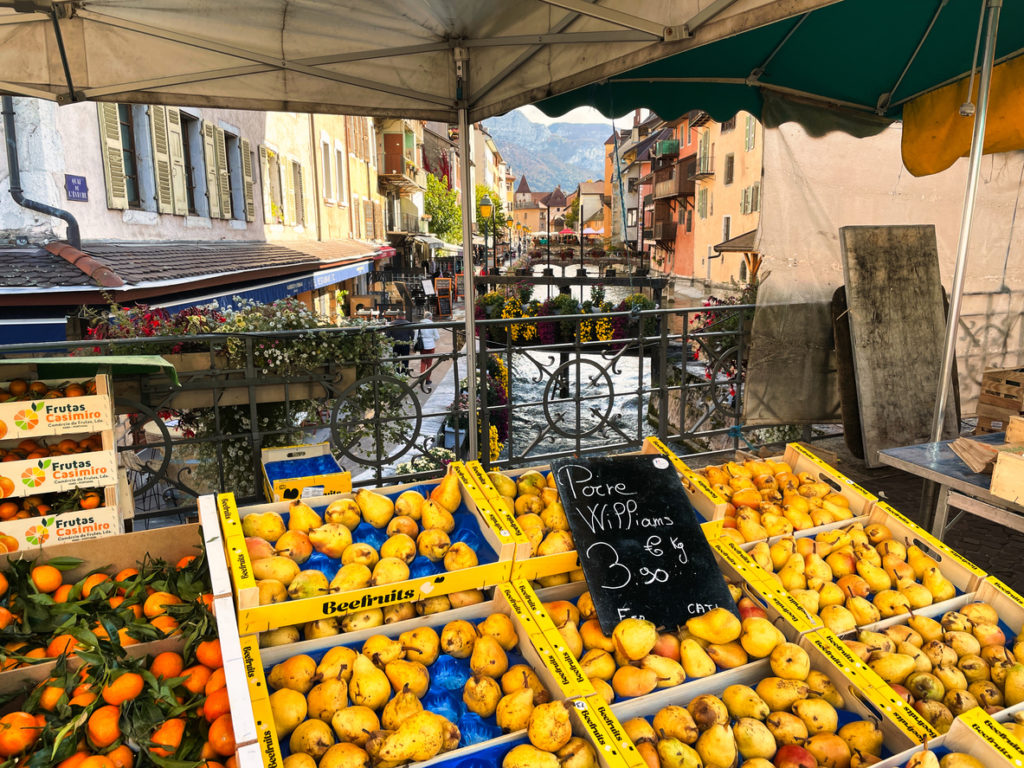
(289, 194)
(210, 160)
(751, 132)
(755, 198)
(247, 179)
(268, 210)
(113, 160)
(300, 197)
(179, 179)
(223, 179)
(745, 205)
(161, 158)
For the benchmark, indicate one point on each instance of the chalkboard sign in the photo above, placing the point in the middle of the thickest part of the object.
(460, 284)
(444, 307)
(443, 286)
(639, 540)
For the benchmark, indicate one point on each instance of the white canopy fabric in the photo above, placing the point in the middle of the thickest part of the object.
(422, 59)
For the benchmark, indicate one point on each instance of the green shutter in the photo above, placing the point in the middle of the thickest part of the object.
(247, 179)
(268, 203)
(210, 161)
(223, 177)
(113, 161)
(179, 180)
(161, 158)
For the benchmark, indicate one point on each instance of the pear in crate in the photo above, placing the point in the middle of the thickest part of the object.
(459, 555)
(531, 482)
(295, 545)
(309, 583)
(403, 524)
(418, 738)
(464, 597)
(376, 508)
(360, 553)
(630, 681)
(634, 638)
(264, 525)
(695, 659)
(432, 605)
(548, 727)
(707, 710)
(577, 753)
(753, 739)
(408, 676)
(488, 657)
(433, 515)
(528, 756)
(780, 693)
(302, 517)
(326, 699)
(421, 644)
(458, 638)
(331, 539)
(447, 493)
(271, 591)
(381, 650)
(289, 708)
(760, 637)
(505, 485)
(344, 512)
(818, 715)
(368, 619)
(743, 702)
(351, 576)
(409, 504)
(521, 676)
(514, 709)
(481, 695)
(433, 544)
(258, 548)
(389, 570)
(280, 636)
(369, 686)
(500, 627)
(400, 546)
(786, 728)
(278, 568)
(355, 724)
(336, 663)
(313, 737)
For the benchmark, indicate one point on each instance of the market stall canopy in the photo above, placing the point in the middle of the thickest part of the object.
(385, 58)
(862, 60)
(90, 365)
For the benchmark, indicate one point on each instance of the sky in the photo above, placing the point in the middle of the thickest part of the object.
(578, 115)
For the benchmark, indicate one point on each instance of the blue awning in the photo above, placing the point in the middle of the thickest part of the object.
(32, 330)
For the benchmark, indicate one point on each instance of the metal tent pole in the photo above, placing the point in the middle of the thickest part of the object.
(461, 63)
(973, 172)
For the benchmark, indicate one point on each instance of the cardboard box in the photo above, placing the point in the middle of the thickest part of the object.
(299, 484)
(490, 751)
(78, 525)
(31, 419)
(856, 700)
(801, 459)
(709, 504)
(31, 477)
(253, 617)
(974, 734)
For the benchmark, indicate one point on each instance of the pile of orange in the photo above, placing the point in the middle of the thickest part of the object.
(28, 450)
(19, 389)
(45, 504)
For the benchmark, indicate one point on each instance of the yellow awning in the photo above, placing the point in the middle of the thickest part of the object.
(935, 134)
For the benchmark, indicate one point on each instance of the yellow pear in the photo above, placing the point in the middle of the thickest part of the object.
(278, 568)
(875, 576)
(344, 512)
(695, 659)
(863, 610)
(337, 663)
(481, 695)
(302, 517)
(818, 715)
(819, 685)
(521, 676)
(742, 701)
(264, 525)
(488, 657)
(401, 546)
(351, 576)
(717, 745)
(759, 636)
(355, 724)
(327, 698)
(513, 710)
(331, 539)
(296, 672)
(289, 709)
(781, 693)
(447, 492)
(360, 553)
(433, 544)
(719, 626)
(376, 508)
(838, 618)
(314, 737)
(433, 515)
(528, 756)
(369, 686)
(940, 587)
(501, 628)
(635, 638)
(408, 676)
(458, 638)
(409, 503)
(548, 727)
(790, 661)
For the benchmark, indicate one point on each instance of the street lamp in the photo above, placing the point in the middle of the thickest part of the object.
(486, 211)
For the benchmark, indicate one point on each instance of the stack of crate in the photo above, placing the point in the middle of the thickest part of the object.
(1002, 396)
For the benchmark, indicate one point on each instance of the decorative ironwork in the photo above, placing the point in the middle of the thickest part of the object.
(562, 399)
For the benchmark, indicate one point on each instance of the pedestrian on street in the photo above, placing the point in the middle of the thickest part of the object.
(425, 342)
(403, 340)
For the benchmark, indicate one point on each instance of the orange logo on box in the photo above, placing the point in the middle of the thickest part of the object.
(26, 419)
(37, 534)
(33, 477)
(3, 429)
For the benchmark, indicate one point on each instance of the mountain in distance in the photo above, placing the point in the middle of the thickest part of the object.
(561, 153)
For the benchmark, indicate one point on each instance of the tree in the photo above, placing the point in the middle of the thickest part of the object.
(441, 204)
(500, 219)
(573, 216)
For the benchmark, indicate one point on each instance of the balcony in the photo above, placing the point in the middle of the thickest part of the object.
(648, 233)
(665, 230)
(398, 172)
(675, 184)
(704, 168)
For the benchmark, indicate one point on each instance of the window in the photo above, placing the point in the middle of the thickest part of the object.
(729, 124)
(726, 227)
(689, 219)
(340, 163)
(270, 179)
(751, 132)
(236, 183)
(631, 217)
(325, 158)
(702, 203)
(129, 160)
(190, 143)
(730, 166)
(755, 197)
(743, 271)
(631, 184)
(368, 227)
(297, 196)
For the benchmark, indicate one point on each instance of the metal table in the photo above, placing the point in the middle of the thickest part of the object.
(959, 487)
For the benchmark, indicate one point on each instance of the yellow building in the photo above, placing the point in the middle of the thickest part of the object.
(728, 197)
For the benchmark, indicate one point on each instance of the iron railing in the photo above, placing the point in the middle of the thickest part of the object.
(674, 373)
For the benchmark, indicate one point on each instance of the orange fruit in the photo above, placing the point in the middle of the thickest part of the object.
(222, 736)
(167, 664)
(231, 762)
(6, 484)
(50, 696)
(18, 387)
(18, 732)
(184, 562)
(27, 446)
(122, 757)
(74, 761)
(216, 704)
(206, 598)
(166, 624)
(82, 699)
(196, 678)
(208, 653)
(124, 638)
(154, 605)
(217, 680)
(9, 542)
(61, 595)
(74, 390)
(122, 688)
(168, 737)
(3, 584)
(6, 617)
(8, 510)
(38, 388)
(61, 644)
(92, 581)
(90, 500)
(103, 727)
(46, 578)
(96, 761)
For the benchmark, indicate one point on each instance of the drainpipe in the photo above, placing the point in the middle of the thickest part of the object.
(314, 146)
(73, 236)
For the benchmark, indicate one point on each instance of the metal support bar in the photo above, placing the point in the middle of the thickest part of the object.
(627, 20)
(885, 98)
(987, 511)
(973, 172)
(565, 38)
(63, 57)
(461, 56)
(703, 16)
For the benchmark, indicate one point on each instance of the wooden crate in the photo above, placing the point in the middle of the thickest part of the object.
(1008, 477)
(1001, 396)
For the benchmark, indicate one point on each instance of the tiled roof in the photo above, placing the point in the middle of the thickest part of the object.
(170, 262)
(35, 267)
(556, 199)
(523, 186)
